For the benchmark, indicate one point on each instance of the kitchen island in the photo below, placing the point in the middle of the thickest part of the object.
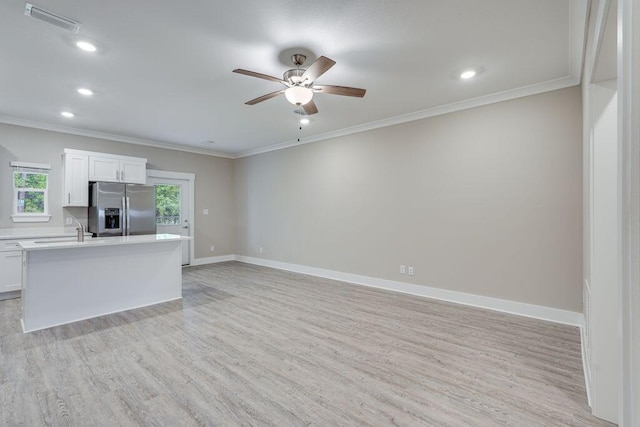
(68, 281)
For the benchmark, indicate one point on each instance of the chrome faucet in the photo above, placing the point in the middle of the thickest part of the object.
(80, 229)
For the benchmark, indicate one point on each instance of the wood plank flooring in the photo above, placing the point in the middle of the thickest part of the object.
(249, 345)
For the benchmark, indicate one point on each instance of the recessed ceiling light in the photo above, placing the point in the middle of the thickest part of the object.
(468, 74)
(67, 114)
(85, 91)
(86, 46)
(304, 121)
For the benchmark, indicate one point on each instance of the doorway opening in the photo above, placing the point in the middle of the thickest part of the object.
(175, 206)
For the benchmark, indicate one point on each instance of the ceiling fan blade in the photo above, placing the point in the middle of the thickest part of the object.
(259, 75)
(310, 107)
(340, 90)
(318, 68)
(264, 97)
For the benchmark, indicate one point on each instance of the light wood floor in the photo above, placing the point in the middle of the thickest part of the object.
(254, 346)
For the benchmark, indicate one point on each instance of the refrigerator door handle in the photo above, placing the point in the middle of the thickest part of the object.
(124, 224)
(128, 216)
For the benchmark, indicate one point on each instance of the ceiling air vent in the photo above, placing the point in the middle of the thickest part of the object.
(57, 20)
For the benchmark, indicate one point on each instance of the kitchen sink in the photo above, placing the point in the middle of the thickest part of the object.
(67, 239)
(70, 239)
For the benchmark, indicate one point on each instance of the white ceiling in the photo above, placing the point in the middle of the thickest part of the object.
(163, 70)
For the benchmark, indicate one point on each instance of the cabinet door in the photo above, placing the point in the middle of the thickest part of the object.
(11, 267)
(133, 171)
(76, 180)
(104, 169)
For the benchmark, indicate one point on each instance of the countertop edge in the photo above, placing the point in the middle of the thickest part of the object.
(32, 245)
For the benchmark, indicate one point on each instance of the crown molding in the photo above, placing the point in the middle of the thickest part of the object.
(112, 137)
(561, 83)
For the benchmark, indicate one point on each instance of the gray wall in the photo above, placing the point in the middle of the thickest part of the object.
(213, 184)
(485, 201)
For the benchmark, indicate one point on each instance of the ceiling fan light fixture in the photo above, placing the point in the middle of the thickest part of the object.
(298, 95)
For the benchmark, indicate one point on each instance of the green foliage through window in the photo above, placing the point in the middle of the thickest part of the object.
(29, 180)
(30, 190)
(167, 204)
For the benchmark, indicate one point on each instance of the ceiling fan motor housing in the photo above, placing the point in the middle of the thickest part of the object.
(298, 59)
(293, 76)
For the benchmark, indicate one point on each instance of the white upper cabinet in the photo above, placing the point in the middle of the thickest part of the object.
(117, 169)
(104, 169)
(76, 179)
(133, 171)
(81, 167)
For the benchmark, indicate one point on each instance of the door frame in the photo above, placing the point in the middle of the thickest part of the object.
(629, 205)
(191, 178)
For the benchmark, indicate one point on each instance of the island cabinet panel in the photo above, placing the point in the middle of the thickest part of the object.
(11, 253)
(71, 281)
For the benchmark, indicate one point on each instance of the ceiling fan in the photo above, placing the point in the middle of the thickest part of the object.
(299, 83)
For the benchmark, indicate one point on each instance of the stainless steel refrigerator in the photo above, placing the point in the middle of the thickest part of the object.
(121, 209)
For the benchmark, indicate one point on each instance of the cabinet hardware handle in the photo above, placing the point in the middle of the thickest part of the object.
(69, 198)
(117, 175)
(122, 174)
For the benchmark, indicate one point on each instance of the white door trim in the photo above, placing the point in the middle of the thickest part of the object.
(629, 187)
(629, 190)
(191, 178)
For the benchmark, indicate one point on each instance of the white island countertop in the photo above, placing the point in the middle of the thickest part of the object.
(36, 245)
(37, 233)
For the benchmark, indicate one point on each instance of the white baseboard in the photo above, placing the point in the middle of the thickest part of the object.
(513, 307)
(212, 260)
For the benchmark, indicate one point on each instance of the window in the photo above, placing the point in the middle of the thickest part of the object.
(30, 192)
(167, 204)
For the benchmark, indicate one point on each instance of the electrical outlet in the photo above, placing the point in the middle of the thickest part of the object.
(410, 271)
(261, 249)
(403, 269)
(69, 220)
(212, 248)
(205, 211)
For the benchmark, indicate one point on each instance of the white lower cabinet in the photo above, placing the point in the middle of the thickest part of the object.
(11, 267)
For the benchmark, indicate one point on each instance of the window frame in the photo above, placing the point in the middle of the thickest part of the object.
(36, 169)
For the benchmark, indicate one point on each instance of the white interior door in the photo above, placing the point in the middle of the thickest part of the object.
(172, 209)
